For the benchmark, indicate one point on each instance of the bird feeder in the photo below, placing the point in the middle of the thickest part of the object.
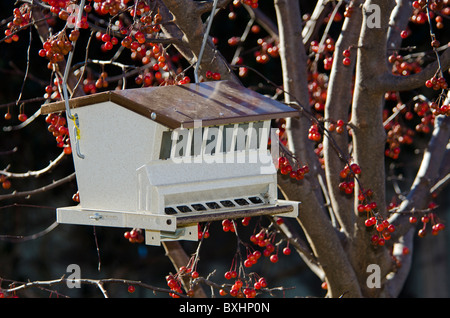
(165, 158)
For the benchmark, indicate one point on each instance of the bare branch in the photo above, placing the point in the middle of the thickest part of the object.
(25, 194)
(35, 173)
(391, 82)
(426, 178)
(318, 229)
(20, 238)
(337, 106)
(97, 282)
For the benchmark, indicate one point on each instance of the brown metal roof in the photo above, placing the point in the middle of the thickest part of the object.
(214, 103)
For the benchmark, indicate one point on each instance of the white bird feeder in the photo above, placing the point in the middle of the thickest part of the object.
(165, 158)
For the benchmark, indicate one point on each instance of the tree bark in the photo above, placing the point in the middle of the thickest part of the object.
(318, 229)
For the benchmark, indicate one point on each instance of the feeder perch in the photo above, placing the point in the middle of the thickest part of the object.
(165, 158)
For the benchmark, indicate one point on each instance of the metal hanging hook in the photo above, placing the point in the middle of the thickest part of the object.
(205, 39)
(64, 87)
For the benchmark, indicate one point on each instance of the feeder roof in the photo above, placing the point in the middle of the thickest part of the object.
(214, 103)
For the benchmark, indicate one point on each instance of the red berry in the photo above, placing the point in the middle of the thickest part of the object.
(286, 251)
(194, 274)
(6, 184)
(346, 61)
(380, 227)
(263, 282)
(274, 258)
(131, 289)
(391, 228)
(22, 117)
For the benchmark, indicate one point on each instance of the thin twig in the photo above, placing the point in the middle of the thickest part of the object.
(54, 184)
(35, 173)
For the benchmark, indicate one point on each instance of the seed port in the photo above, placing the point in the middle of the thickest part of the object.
(198, 207)
(184, 208)
(227, 203)
(255, 200)
(241, 201)
(212, 205)
(170, 211)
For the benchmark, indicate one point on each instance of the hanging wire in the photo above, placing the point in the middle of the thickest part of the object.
(205, 39)
(74, 118)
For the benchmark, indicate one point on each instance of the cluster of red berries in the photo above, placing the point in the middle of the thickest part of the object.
(382, 226)
(286, 168)
(325, 51)
(202, 233)
(338, 126)
(134, 236)
(346, 54)
(437, 9)
(56, 47)
(150, 54)
(151, 22)
(174, 283)
(266, 51)
(349, 171)
(402, 67)
(60, 8)
(101, 82)
(238, 291)
(108, 41)
(56, 5)
(281, 131)
(252, 258)
(57, 126)
(264, 239)
(428, 218)
(228, 226)
(436, 83)
(251, 3)
(397, 135)
(22, 16)
(21, 117)
(314, 133)
(317, 88)
(52, 91)
(443, 109)
(427, 118)
(364, 204)
(112, 7)
(213, 75)
(384, 229)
